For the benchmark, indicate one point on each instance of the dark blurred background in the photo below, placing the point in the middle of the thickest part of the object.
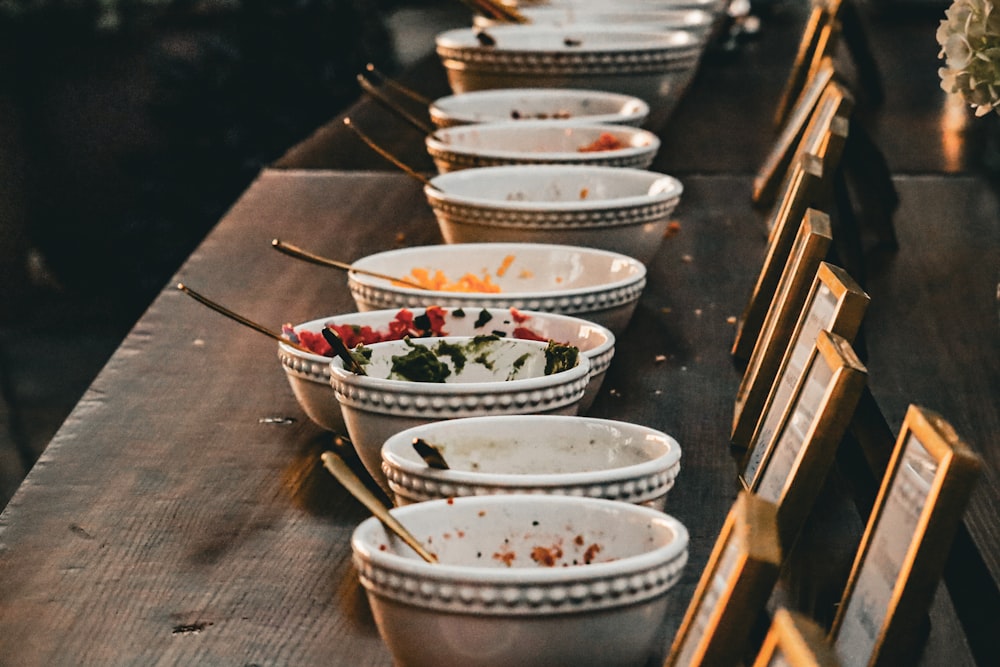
(127, 128)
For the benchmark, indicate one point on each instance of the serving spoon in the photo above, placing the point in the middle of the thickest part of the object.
(260, 328)
(305, 255)
(339, 469)
(392, 105)
(431, 455)
(410, 171)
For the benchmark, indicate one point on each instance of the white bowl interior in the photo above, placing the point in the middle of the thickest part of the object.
(540, 537)
(576, 187)
(540, 104)
(535, 446)
(534, 268)
(578, 39)
(656, 18)
(463, 360)
(539, 137)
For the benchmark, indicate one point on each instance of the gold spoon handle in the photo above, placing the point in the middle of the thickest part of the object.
(299, 253)
(496, 10)
(387, 155)
(219, 308)
(398, 87)
(339, 469)
(392, 105)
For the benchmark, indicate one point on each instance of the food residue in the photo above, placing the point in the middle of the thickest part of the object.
(546, 556)
(605, 142)
(540, 115)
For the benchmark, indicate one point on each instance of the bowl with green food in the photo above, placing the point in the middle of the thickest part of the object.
(308, 374)
(395, 385)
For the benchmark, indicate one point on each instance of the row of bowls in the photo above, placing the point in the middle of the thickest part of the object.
(549, 530)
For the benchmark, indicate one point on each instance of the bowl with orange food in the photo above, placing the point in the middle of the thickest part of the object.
(598, 285)
(309, 374)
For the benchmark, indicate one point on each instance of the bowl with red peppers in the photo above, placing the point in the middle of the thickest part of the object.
(308, 375)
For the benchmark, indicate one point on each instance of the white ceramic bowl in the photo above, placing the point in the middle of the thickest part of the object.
(309, 374)
(697, 21)
(713, 6)
(500, 376)
(532, 581)
(655, 66)
(541, 142)
(612, 208)
(555, 105)
(540, 454)
(596, 285)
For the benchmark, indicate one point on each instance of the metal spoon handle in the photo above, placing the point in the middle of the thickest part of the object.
(388, 156)
(339, 469)
(219, 308)
(392, 105)
(398, 87)
(299, 253)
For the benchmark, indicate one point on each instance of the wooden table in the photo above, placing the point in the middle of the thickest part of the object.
(181, 516)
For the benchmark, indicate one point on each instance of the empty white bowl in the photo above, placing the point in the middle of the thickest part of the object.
(540, 454)
(556, 105)
(655, 66)
(697, 21)
(309, 374)
(541, 142)
(488, 375)
(612, 208)
(597, 285)
(522, 580)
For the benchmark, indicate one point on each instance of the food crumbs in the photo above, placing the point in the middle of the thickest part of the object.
(482, 512)
(687, 259)
(584, 192)
(697, 312)
(451, 501)
(547, 556)
(383, 547)
(731, 319)
(672, 229)
(578, 540)
(666, 311)
(504, 265)
(591, 553)
(525, 273)
(506, 557)
(660, 358)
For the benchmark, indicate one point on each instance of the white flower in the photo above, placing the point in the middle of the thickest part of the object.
(970, 46)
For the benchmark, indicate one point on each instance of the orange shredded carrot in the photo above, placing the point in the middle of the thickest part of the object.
(504, 265)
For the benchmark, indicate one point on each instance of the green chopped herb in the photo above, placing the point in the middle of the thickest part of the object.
(454, 351)
(484, 317)
(560, 357)
(517, 365)
(458, 312)
(420, 364)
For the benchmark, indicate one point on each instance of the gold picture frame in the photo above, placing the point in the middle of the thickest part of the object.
(788, 467)
(818, 40)
(795, 641)
(824, 108)
(809, 247)
(801, 187)
(906, 542)
(836, 303)
(734, 587)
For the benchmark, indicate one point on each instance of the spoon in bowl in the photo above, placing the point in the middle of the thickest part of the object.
(339, 469)
(260, 328)
(410, 171)
(305, 255)
(431, 455)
